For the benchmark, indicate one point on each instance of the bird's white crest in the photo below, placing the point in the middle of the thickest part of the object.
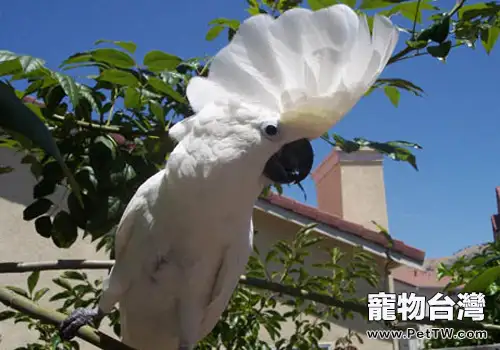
(310, 67)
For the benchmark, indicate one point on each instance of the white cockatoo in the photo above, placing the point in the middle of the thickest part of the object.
(186, 235)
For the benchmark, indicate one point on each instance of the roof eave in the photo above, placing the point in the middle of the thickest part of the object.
(341, 230)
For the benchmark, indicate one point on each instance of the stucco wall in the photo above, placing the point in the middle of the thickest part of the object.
(401, 287)
(20, 242)
(272, 229)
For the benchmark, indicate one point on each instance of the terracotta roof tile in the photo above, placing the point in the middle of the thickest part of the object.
(343, 225)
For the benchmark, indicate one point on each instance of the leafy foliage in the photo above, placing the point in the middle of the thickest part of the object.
(250, 310)
(48, 338)
(479, 273)
(101, 136)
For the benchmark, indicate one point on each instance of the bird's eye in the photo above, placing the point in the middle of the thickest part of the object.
(270, 130)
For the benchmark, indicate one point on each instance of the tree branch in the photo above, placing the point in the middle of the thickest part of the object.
(19, 267)
(397, 57)
(86, 333)
(401, 54)
(77, 264)
(92, 126)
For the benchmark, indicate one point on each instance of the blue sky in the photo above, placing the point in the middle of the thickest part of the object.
(440, 209)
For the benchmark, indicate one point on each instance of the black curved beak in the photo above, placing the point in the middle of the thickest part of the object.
(291, 164)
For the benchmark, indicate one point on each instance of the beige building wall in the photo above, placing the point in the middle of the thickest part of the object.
(20, 242)
(272, 229)
(427, 292)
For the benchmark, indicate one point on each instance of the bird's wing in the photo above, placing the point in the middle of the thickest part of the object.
(135, 219)
(232, 265)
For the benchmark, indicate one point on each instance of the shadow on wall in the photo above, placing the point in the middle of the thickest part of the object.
(16, 186)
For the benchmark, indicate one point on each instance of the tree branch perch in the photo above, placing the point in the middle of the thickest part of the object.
(86, 333)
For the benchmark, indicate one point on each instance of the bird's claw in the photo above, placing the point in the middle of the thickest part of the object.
(78, 318)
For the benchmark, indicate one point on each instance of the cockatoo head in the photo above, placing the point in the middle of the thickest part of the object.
(283, 82)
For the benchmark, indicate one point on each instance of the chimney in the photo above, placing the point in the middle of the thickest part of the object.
(351, 186)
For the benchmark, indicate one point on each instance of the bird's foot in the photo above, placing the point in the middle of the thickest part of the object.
(78, 318)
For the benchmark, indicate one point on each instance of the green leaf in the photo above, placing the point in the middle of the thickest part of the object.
(441, 30)
(15, 116)
(61, 295)
(5, 315)
(55, 341)
(77, 211)
(63, 283)
(158, 61)
(392, 149)
(44, 188)
(132, 98)
(440, 51)
(51, 171)
(6, 169)
(256, 10)
(393, 94)
(471, 12)
(35, 86)
(489, 38)
(10, 67)
(80, 57)
(43, 226)
(102, 152)
(214, 32)
(382, 230)
(86, 177)
(409, 9)
(467, 7)
(126, 45)
(33, 279)
(113, 57)
(483, 280)
(319, 4)
(346, 145)
(157, 110)
(230, 23)
(18, 291)
(401, 84)
(37, 208)
(86, 93)
(74, 275)
(374, 4)
(65, 231)
(69, 86)
(417, 44)
(161, 86)
(405, 143)
(28, 63)
(351, 4)
(119, 77)
(39, 294)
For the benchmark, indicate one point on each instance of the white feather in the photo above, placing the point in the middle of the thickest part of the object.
(311, 67)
